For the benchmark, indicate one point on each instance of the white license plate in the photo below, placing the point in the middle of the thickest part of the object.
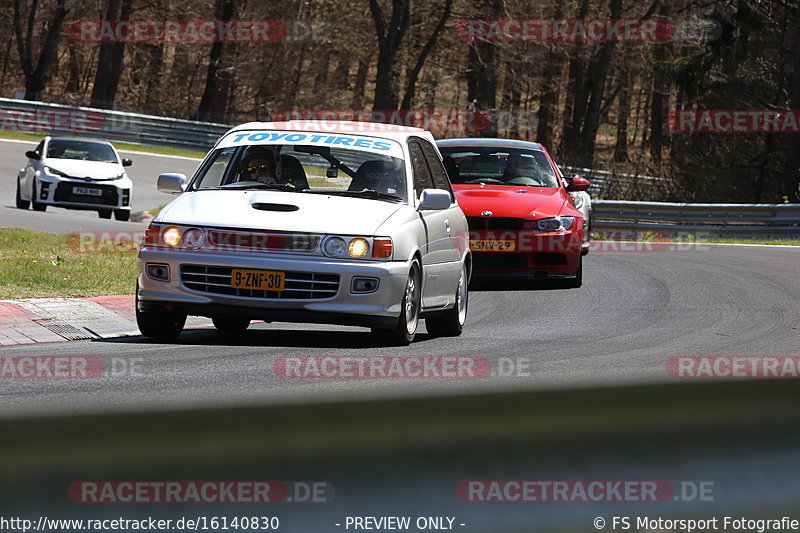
(87, 191)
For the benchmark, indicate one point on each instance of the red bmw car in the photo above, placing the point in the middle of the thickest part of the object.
(522, 219)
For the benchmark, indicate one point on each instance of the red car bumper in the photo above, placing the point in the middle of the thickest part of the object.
(526, 254)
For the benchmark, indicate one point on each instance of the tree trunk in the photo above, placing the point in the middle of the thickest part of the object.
(219, 78)
(792, 177)
(413, 75)
(389, 38)
(36, 73)
(360, 83)
(623, 112)
(548, 101)
(596, 84)
(109, 62)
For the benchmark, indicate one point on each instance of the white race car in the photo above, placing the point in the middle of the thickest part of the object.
(342, 223)
(75, 174)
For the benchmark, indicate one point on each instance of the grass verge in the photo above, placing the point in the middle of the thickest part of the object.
(40, 265)
(159, 150)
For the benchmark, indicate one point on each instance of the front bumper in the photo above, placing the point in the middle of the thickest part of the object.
(535, 255)
(60, 193)
(338, 305)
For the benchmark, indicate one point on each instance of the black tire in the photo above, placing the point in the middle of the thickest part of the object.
(104, 213)
(231, 324)
(122, 214)
(451, 322)
(35, 200)
(21, 204)
(407, 324)
(577, 281)
(164, 326)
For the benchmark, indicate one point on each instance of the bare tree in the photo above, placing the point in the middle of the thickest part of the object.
(36, 71)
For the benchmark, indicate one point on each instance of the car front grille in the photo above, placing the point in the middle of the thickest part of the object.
(298, 285)
(495, 261)
(496, 223)
(65, 193)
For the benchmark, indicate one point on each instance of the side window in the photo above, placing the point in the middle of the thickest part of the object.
(440, 179)
(214, 170)
(422, 175)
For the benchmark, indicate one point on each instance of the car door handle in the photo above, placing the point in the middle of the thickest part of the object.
(447, 226)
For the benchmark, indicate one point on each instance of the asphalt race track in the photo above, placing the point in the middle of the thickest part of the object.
(144, 172)
(635, 311)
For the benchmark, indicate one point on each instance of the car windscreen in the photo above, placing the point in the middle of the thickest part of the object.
(81, 150)
(304, 169)
(499, 166)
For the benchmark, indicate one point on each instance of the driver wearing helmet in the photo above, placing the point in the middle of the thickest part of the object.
(259, 165)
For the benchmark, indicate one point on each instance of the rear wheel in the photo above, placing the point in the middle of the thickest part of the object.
(163, 326)
(451, 322)
(37, 206)
(104, 213)
(230, 324)
(406, 329)
(122, 214)
(21, 204)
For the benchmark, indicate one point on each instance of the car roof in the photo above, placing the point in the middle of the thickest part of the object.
(486, 142)
(345, 127)
(80, 139)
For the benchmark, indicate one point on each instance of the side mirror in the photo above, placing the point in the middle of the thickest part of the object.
(127, 162)
(33, 154)
(433, 200)
(577, 184)
(171, 183)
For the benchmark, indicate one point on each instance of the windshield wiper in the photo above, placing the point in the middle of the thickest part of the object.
(367, 193)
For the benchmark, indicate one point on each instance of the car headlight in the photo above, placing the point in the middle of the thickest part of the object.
(171, 236)
(193, 238)
(358, 247)
(118, 176)
(50, 171)
(334, 247)
(578, 200)
(555, 224)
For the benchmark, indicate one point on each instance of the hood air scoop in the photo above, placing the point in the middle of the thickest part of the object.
(274, 207)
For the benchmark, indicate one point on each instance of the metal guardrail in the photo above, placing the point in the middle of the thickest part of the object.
(39, 117)
(605, 182)
(713, 220)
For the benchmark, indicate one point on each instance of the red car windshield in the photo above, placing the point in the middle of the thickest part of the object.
(499, 167)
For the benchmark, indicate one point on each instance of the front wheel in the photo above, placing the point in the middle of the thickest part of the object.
(21, 204)
(122, 214)
(451, 322)
(163, 326)
(37, 206)
(406, 329)
(104, 213)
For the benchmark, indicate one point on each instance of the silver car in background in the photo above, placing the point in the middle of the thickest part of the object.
(302, 221)
(75, 173)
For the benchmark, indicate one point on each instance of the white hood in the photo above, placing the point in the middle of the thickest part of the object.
(315, 213)
(95, 170)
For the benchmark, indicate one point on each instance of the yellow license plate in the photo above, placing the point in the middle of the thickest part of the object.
(492, 246)
(261, 280)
